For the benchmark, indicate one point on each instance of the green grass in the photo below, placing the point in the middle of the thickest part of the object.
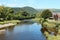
(9, 21)
(52, 37)
(38, 20)
(50, 24)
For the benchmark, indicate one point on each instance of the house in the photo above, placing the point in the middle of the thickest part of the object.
(56, 15)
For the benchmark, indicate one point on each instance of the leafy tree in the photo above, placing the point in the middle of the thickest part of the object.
(3, 12)
(46, 14)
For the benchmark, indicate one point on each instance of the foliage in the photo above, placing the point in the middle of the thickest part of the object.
(8, 13)
(46, 14)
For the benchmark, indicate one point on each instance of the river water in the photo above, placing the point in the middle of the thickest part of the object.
(23, 31)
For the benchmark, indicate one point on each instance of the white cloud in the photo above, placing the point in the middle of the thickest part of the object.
(8, 4)
(11, 5)
(2, 3)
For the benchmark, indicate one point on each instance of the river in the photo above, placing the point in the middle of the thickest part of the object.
(23, 31)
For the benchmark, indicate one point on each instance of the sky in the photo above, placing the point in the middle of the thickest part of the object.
(38, 4)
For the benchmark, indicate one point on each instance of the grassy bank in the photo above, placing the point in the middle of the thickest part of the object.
(37, 19)
(52, 26)
(9, 21)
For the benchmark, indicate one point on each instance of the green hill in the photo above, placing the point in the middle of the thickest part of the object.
(26, 9)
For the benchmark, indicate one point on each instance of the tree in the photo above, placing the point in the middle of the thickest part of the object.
(46, 14)
(3, 12)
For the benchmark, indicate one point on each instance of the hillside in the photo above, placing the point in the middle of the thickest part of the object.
(30, 10)
(26, 9)
(53, 10)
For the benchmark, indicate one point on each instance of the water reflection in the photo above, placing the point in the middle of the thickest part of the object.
(11, 28)
(23, 31)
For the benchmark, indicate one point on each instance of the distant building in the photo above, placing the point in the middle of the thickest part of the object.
(56, 15)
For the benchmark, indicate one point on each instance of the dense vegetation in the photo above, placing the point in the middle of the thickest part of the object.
(10, 13)
(46, 14)
(50, 27)
(16, 13)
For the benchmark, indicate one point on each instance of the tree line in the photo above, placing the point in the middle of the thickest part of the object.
(7, 13)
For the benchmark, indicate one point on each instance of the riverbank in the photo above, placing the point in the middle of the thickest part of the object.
(36, 19)
(8, 23)
(51, 29)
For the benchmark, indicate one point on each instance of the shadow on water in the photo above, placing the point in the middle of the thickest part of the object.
(23, 31)
(11, 28)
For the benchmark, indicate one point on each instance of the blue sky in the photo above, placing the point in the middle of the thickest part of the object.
(39, 4)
